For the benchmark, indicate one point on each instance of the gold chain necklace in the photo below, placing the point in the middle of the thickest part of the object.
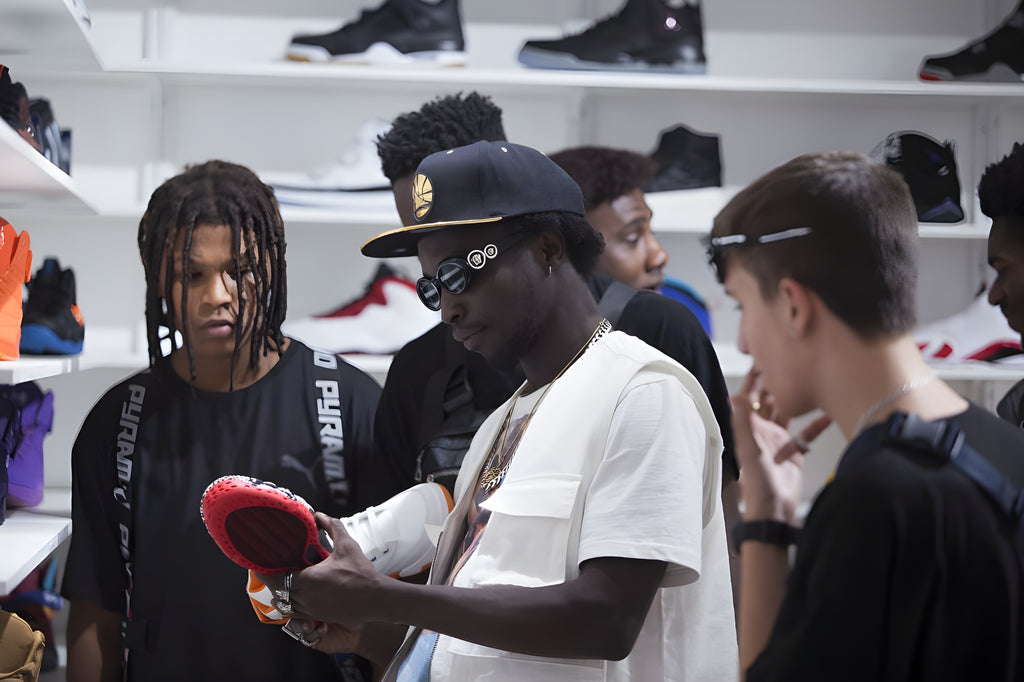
(493, 475)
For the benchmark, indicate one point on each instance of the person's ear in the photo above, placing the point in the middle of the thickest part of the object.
(797, 307)
(552, 249)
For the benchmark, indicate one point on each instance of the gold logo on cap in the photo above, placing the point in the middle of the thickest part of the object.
(422, 196)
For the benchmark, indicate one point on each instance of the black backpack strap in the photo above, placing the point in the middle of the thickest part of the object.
(447, 391)
(134, 630)
(614, 300)
(944, 439)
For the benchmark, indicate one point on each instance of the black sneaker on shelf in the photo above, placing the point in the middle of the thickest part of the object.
(14, 107)
(51, 323)
(929, 168)
(686, 160)
(997, 57)
(396, 32)
(646, 35)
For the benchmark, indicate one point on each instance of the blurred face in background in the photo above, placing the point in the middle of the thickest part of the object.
(632, 254)
(1006, 256)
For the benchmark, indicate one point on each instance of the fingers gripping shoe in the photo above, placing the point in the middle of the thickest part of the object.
(269, 529)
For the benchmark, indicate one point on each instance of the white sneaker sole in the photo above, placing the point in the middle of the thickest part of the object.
(379, 54)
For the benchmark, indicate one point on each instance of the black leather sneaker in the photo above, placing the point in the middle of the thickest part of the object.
(929, 168)
(643, 36)
(397, 32)
(686, 160)
(51, 322)
(997, 57)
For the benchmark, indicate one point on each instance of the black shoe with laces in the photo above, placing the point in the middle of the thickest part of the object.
(51, 322)
(396, 32)
(646, 35)
(997, 57)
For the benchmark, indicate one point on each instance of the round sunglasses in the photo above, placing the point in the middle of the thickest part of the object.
(453, 274)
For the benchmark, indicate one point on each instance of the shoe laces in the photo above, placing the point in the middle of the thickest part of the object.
(369, 525)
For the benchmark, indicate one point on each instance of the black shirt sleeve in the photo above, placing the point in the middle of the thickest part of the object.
(672, 328)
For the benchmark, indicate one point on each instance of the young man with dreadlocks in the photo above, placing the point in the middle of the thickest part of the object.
(225, 393)
(1001, 193)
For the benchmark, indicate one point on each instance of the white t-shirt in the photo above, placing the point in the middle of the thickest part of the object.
(655, 495)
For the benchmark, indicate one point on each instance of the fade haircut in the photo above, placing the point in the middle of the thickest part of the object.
(440, 124)
(861, 257)
(583, 244)
(1001, 189)
(605, 174)
(212, 194)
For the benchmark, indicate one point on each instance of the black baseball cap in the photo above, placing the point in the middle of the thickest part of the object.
(480, 183)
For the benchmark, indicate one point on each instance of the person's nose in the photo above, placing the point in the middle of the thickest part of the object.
(657, 256)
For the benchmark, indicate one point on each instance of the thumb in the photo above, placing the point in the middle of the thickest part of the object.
(335, 530)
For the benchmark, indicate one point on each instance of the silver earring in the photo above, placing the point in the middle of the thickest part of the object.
(549, 271)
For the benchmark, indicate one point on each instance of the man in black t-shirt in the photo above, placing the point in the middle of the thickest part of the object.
(905, 568)
(438, 390)
(1001, 194)
(228, 395)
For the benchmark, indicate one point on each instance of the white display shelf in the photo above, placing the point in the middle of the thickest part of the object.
(41, 34)
(240, 74)
(28, 536)
(28, 180)
(33, 367)
(735, 365)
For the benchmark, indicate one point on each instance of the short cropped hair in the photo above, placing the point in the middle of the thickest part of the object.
(1001, 188)
(440, 124)
(605, 174)
(583, 244)
(861, 256)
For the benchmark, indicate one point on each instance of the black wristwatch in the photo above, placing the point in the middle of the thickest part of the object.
(772, 532)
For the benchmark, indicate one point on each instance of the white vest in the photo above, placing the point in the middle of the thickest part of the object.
(532, 537)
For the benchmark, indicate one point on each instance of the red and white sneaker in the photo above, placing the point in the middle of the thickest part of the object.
(261, 526)
(978, 332)
(269, 529)
(387, 316)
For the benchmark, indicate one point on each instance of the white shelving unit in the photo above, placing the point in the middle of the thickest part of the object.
(38, 34)
(28, 536)
(149, 87)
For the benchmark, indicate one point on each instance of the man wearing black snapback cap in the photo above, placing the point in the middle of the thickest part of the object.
(587, 541)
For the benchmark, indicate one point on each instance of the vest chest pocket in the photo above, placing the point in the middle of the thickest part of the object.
(527, 535)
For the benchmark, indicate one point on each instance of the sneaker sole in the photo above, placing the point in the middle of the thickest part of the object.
(39, 340)
(261, 526)
(542, 59)
(997, 73)
(378, 54)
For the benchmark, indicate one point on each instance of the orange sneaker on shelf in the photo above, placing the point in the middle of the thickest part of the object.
(15, 271)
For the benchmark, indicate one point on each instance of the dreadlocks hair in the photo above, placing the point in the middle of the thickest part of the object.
(1001, 189)
(605, 174)
(442, 123)
(212, 194)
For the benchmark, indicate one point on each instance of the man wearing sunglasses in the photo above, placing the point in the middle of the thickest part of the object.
(587, 541)
(909, 564)
(439, 391)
